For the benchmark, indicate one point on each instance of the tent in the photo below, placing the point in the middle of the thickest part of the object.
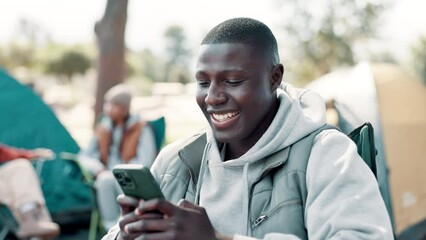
(395, 103)
(27, 122)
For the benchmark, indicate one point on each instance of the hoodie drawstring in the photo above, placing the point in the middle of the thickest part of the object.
(246, 198)
(201, 174)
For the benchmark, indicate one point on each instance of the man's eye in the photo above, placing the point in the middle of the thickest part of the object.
(203, 83)
(233, 82)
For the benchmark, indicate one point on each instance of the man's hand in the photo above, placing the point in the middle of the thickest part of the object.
(185, 221)
(129, 216)
(128, 206)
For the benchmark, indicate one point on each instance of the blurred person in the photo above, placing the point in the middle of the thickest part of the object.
(120, 137)
(20, 191)
(245, 177)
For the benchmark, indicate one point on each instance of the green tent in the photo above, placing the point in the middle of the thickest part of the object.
(27, 122)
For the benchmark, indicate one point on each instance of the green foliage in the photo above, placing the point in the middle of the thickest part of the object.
(68, 64)
(323, 39)
(151, 66)
(178, 55)
(141, 85)
(175, 46)
(418, 52)
(179, 74)
(17, 55)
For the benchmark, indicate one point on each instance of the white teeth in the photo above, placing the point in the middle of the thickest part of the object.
(224, 117)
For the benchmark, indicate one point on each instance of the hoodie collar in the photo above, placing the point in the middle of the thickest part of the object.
(192, 154)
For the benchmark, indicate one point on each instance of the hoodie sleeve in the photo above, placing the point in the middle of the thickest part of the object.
(344, 200)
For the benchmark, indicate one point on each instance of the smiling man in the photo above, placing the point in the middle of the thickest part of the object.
(264, 169)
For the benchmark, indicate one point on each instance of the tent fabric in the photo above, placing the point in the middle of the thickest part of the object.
(27, 122)
(354, 94)
(402, 100)
(395, 103)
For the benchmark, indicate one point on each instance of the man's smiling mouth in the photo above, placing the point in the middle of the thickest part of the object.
(224, 117)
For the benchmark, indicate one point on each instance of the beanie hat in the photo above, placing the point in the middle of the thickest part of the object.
(119, 94)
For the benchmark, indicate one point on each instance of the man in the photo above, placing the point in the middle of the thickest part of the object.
(120, 137)
(241, 179)
(20, 191)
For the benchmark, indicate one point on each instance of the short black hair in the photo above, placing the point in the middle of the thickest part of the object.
(246, 31)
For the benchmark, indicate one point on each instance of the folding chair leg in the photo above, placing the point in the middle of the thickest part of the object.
(94, 224)
(4, 233)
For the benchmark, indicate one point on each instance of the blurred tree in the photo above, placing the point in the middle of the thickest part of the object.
(110, 35)
(68, 64)
(130, 66)
(177, 55)
(17, 55)
(324, 33)
(151, 66)
(418, 52)
(21, 52)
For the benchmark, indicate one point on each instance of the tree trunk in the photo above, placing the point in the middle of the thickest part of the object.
(110, 37)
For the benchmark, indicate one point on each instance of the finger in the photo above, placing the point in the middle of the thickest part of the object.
(158, 204)
(148, 225)
(149, 215)
(187, 204)
(127, 204)
(132, 217)
(125, 235)
(155, 236)
(127, 201)
(126, 219)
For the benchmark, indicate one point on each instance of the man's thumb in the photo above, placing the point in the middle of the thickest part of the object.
(187, 204)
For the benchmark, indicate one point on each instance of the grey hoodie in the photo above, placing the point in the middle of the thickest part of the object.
(294, 120)
(223, 187)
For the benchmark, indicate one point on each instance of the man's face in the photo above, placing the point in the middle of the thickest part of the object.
(235, 92)
(116, 112)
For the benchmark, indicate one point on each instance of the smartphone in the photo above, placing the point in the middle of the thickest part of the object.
(137, 181)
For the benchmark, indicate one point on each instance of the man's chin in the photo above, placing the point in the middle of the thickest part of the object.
(222, 137)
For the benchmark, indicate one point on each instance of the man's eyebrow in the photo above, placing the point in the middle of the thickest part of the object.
(233, 70)
(200, 74)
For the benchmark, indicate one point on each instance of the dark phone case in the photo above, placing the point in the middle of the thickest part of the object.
(137, 181)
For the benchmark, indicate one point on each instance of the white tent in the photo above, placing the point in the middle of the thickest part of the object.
(395, 104)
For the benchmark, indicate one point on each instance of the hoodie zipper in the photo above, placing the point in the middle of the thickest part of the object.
(262, 218)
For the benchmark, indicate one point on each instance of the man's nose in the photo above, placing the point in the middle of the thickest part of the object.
(215, 95)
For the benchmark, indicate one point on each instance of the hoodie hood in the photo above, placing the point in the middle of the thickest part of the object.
(300, 113)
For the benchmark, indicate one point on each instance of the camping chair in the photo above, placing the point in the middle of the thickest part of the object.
(159, 128)
(363, 136)
(96, 226)
(8, 223)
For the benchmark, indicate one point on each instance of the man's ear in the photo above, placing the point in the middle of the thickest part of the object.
(276, 76)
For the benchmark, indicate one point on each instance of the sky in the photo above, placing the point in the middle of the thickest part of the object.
(72, 21)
